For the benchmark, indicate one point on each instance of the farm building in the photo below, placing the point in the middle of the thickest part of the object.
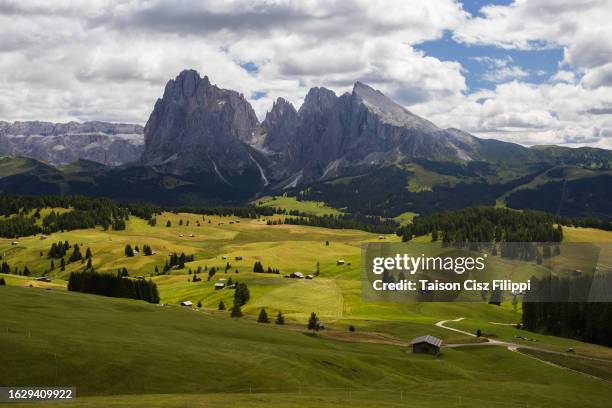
(187, 303)
(219, 285)
(426, 344)
(309, 276)
(297, 275)
(238, 258)
(340, 262)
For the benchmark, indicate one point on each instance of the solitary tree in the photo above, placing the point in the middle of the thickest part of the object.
(88, 253)
(318, 270)
(199, 303)
(313, 322)
(280, 319)
(2, 282)
(351, 328)
(263, 317)
(241, 294)
(221, 305)
(129, 252)
(478, 333)
(168, 223)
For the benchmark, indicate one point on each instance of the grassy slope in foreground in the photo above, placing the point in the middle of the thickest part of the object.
(114, 347)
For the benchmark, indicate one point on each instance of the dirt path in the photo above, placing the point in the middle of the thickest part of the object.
(513, 347)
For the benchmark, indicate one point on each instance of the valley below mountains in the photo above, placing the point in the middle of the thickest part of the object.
(359, 151)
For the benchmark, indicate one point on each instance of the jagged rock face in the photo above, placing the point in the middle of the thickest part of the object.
(364, 128)
(63, 143)
(198, 127)
(280, 126)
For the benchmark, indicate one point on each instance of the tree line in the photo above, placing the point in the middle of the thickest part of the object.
(259, 268)
(345, 221)
(112, 285)
(485, 224)
(557, 306)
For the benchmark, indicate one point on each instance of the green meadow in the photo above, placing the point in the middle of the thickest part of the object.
(121, 352)
(318, 208)
(127, 353)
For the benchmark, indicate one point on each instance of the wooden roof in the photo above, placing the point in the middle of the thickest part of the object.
(434, 341)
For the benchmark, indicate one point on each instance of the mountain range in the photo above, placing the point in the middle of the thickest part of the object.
(112, 144)
(359, 150)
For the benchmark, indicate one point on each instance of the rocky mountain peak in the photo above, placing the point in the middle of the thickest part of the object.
(318, 99)
(280, 108)
(198, 127)
(389, 111)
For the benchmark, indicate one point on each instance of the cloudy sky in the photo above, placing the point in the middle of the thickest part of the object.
(531, 72)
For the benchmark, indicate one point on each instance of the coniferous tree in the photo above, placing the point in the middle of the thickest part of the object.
(129, 252)
(76, 254)
(221, 305)
(26, 271)
(88, 253)
(241, 294)
(313, 322)
(168, 223)
(263, 317)
(199, 303)
(280, 319)
(496, 297)
(62, 265)
(236, 310)
(2, 282)
(5, 268)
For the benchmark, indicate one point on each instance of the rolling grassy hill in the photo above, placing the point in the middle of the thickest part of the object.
(110, 347)
(124, 352)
